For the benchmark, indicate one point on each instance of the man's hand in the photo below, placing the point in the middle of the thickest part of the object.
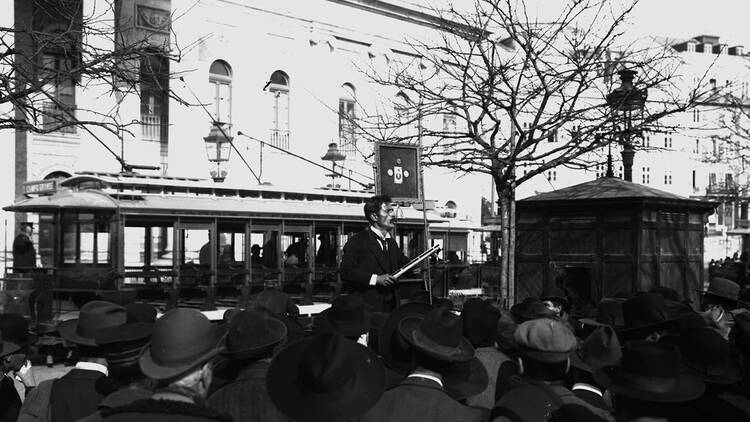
(384, 280)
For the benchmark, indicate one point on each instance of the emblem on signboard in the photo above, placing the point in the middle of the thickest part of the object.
(152, 18)
(398, 173)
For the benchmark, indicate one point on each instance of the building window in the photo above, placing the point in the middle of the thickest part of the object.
(348, 120)
(278, 87)
(668, 177)
(695, 182)
(646, 175)
(60, 55)
(712, 180)
(220, 78)
(729, 180)
(667, 142)
(406, 120)
(552, 136)
(600, 172)
(155, 99)
(552, 175)
(690, 47)
(696, 150)
(647, 141)
(620, 172)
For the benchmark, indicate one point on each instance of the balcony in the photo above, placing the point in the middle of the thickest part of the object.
(279, 138)
(722, 189)
(55, 118)
(151, 128)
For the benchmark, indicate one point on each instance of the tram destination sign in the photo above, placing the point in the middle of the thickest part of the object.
(398, 171)
(40, 187)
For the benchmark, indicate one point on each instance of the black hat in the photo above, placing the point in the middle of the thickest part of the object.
(251, 335)
(394, 349)
(15, 329)
(480, 322)
(7, 347)
(182, 339)
(710, 357)
(325, 378)
(554, 293)
(652, 372)
(725, 291)
(347, 315)
(601, 348)
(464, 379)
(530, 308)
(101, 322)
(644, 314)
(608, 312)
(439, 335)
(275, 301)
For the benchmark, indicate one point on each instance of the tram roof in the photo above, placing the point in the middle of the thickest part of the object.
(196, 198)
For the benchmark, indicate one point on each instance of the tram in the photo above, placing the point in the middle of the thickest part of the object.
(127, 236)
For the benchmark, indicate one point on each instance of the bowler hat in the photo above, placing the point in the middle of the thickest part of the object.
(182, 339)
(250, 335)
(480, 322)
(545, 340)
(325, 378)
(394, 349)
(7, 347)
(101, 322)
(601, 348)
(724, 290)
(15, 329)
(651, 371)
(643, 314)
(275, 301)
(710, 357)
(347, 315)
(608, 312)
(439, 335)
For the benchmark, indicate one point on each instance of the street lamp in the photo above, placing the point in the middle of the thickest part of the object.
(333, 154)
(626, 102)
(218, 148)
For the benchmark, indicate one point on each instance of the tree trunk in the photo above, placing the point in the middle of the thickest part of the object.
(507, 202)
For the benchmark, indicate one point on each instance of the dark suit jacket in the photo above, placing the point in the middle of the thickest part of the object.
(363, 257)
(10, 402)
(78, 393)
(246, 398)
(419, 399)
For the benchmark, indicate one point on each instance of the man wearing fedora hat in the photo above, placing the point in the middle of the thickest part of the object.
(649, 383)
(325, 378)
(545, 345)
(601, 348)
(249, 345)
(371, 255)
(183, 344)
(444, 367)
(348, 316)
(78, 393)
(10, 401)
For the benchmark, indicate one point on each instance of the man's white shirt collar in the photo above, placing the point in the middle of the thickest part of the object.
(380, 235)
(91, 366)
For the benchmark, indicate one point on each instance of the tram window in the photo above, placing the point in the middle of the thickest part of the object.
(263, 248)
(134, 246)
(197, 246)
(161, 246)
(232, 246)
(326, 247)
(85, 239)
(87, 243)
(295, 246)
(70, 242)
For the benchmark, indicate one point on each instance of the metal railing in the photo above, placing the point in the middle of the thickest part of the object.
(279, 138)
(151, 127)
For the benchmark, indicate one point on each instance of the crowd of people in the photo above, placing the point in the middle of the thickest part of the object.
(649, 356)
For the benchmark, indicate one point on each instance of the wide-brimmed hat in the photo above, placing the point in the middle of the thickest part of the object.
(645, 313)
(530, 308)
(275, 301)
(140, 312)
(545, 340)
(325, 378)
(7, 347)
(725, 290)
(182, 339)
(439, 335)
(394, 349)
(251, 335)
(15, 329)
(608, 312)
(601, 348)
(101, 322)
(139, 321)
(706, 353)
(347, 315)
(651, 371)
(479, 319)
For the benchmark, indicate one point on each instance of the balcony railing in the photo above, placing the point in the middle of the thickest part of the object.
(722, 188)
(279, 138)
(151, 127)
(56, 119)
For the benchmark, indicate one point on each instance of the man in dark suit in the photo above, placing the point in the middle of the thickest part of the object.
(372, 255)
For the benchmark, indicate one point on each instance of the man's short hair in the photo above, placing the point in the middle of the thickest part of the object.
(373, 205)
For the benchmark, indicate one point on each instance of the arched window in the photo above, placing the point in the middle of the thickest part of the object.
(60, 54)
(406, 119)
(348, 120)
(278, 87)
(220, 78)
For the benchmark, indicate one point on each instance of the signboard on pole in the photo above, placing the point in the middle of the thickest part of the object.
(397, 171)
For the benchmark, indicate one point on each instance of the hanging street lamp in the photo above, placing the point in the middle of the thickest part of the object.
(333, 155)
(218, 148)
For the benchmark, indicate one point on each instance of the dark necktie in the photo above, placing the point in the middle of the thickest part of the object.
(384, 244)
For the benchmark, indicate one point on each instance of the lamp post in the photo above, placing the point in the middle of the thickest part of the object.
(626, 102)
(218, 148)
(333, 154)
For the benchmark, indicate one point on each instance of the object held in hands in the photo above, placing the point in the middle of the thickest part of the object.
(416, 261)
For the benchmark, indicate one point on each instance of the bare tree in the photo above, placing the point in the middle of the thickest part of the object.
(499, 89)
(55, 47)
